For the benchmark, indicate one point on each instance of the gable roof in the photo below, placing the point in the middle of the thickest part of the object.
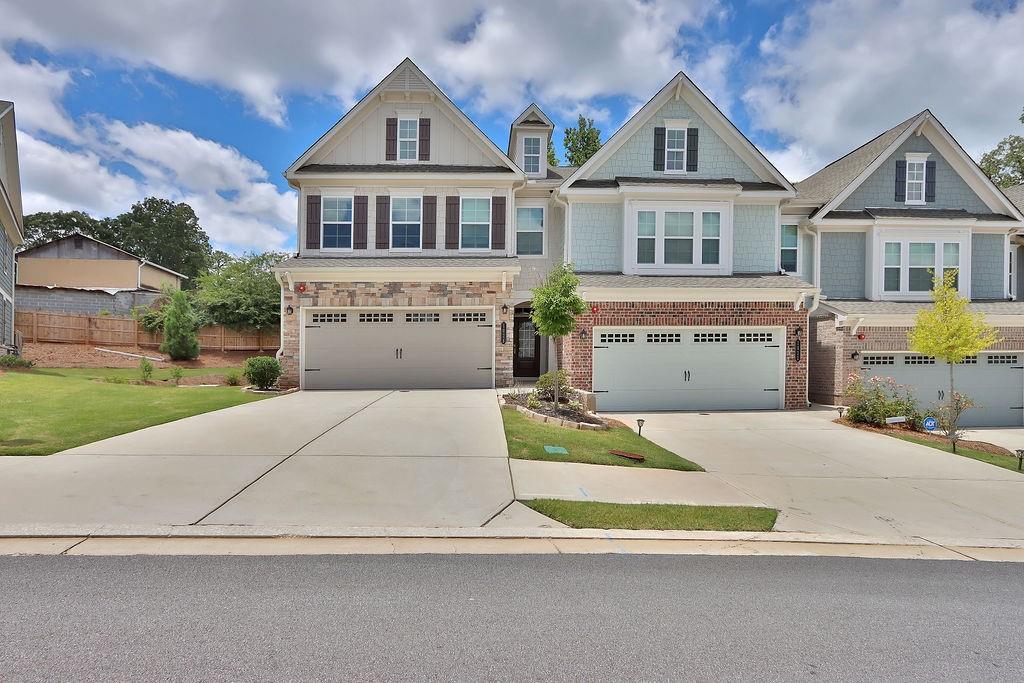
(531, 117)
(406, 76)
(833, 184)
(1016, 195)
(22, 253)
(679, 86)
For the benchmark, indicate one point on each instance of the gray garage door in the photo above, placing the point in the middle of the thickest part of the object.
(688, 368)
(393, 348)
(995, 381)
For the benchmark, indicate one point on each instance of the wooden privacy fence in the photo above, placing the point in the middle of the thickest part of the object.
(105, 330)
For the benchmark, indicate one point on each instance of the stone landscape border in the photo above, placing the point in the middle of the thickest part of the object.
(570, 424)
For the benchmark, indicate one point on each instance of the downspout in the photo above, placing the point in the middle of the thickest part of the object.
(281, 278)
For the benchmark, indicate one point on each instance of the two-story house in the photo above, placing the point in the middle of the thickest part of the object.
(12, 231)
(873, 229)
(419, 242)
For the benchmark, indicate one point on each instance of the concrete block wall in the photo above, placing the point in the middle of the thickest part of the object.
(82, 302)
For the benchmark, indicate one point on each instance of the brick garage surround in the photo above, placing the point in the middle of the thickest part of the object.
(831, 349)
(576, 353)
(395, 294)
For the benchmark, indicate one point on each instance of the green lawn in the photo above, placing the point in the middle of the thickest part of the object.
(1006, 461)
(46, 410)
(581, 514)
(527, 438)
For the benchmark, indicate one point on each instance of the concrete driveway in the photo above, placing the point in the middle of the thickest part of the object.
(826, 478)
(332, 458)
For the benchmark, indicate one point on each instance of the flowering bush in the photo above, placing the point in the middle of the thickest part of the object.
(873, 400)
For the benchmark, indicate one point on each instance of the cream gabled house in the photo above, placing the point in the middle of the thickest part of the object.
(873, 229)
(419, 242)
(12, 232)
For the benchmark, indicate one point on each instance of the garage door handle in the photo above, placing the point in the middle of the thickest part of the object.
(312, 369)
(771, 389)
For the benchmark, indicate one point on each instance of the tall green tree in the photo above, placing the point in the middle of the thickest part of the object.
(166, 233)
(951, 333)
(552, 157)
(555, 305)
(46, 226)
(243, 293)
(181, 329)
(1005, 164)
(581, 142)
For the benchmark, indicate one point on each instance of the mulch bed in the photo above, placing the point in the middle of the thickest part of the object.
(546, 408)
(47, 355)
(982, 446)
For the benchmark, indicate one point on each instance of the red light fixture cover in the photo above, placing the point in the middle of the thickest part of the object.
(861, 336)
(300, 288)
(594, 309)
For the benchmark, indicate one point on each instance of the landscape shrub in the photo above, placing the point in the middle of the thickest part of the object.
(262, 371)
(145, 369)
(546, 386)
(9, 360)
(181, 329)
(871, 401)
(177, 372)
(233, 378)
(533, 401)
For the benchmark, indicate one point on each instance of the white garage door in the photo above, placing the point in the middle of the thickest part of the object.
(994, 381)
(397, 348)
(688, 368)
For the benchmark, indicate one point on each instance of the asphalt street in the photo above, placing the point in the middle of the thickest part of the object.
(508, 618)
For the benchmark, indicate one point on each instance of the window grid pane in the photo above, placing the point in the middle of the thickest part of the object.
(678, 251)
(678, 224)
(530, 243)
(892, 279)
(892, 253)
(476, 236)
(789, 236)
(645, 250)
(709, 251)
(712, 224)
(920, 279)
(951, 254)
(922, 254)
(645, 224)
(788, 260)
(476, 210)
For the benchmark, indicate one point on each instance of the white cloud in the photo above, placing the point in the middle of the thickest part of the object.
(838, 73)
(37, 90)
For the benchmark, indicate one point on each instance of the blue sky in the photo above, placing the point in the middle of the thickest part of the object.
(212, 107)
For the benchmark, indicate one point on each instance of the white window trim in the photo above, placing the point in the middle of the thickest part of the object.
(391, 223)
(916, 158)
(351, 223)
(961, 236)
(490, 219)
(532, 204)
(668, 128)
(725, 239)
(399, 139)
(541, 166)
(796, 248)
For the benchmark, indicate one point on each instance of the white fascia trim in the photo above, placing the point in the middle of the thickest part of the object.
(398, 177)
(909, 319)
(388, 274)
(694, 293)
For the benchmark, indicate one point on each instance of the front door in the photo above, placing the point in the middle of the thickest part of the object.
(526, 361)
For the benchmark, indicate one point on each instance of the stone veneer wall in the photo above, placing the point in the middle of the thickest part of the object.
(831, 349)
(576, 353)
(395, 294)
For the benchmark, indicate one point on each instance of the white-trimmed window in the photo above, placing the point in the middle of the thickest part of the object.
(711, 237)
(531, 154)
(406, 223)
(679, 238)
(646, 237)
(530, 230)
(910, 267)
(892, 276)
(789, 249)
(408, 139)
(475, 223)
(916, 171)
(336, 223)
(675, 150)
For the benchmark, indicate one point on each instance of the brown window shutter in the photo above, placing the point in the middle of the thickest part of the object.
(901, 181)
(659, 148)
(391, 140)
(424, 140)
(451, 223)
(383, 221)
(929, 181)
(430, 222)
(692, 141)
(359, 238)
(497, 222)
(313, 221)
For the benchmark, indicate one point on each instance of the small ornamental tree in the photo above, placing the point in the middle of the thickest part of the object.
(581, 142)
(556, 303)
(181, 329)
(949, 332)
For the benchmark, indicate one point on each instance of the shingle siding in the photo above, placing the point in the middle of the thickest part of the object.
(842, 264)
(6, 289)
(596, 236)
(753, 246)
(807, 257)
(635, 157)
(951, 191)
(987, 256)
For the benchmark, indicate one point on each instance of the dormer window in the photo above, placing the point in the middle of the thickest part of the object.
(675, 150)
(917, 172)
(531, 154)
(408, 139)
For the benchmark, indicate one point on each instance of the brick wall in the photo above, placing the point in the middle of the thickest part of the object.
(825, 379)
(395, 294)
(576, 353)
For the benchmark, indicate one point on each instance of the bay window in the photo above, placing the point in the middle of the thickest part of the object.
(910, 266)
(678, 238)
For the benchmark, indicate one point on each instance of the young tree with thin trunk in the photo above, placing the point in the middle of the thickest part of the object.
(556, 303)
(949, 332)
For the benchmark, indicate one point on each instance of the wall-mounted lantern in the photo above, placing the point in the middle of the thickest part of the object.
(504, 309)
(289, 310)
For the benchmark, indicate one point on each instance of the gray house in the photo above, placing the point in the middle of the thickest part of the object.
(11, 227)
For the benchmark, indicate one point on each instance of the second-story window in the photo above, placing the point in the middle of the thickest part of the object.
(679, 238)
(408, 139)
(475, 223)
(336, 223)
(530, 231)
(789, 249)
(916, 176)
(531, 155)
(675, 149)
(406, 222)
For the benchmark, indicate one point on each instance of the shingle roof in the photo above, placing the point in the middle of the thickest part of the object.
(872, 213)
(399, 168)
(1016, 195)
(861, 307)
(399, 262)
(827, 183)
(737, 281)
(631, 180)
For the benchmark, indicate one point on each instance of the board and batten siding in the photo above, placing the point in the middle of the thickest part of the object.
(596, 237)
(987, 266)
(843, 264)
(878, 190)
(715, 159)
(753, 238)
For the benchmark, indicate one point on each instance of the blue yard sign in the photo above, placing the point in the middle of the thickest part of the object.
(930, 423)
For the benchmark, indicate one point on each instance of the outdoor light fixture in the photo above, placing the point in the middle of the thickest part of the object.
(504, 309)
(300, 288)
(289, 310)
(1020, 459)
(583, 333)
(855, 355)
(862, 336)
(841, 410)
(640, 427)
(797, 332)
